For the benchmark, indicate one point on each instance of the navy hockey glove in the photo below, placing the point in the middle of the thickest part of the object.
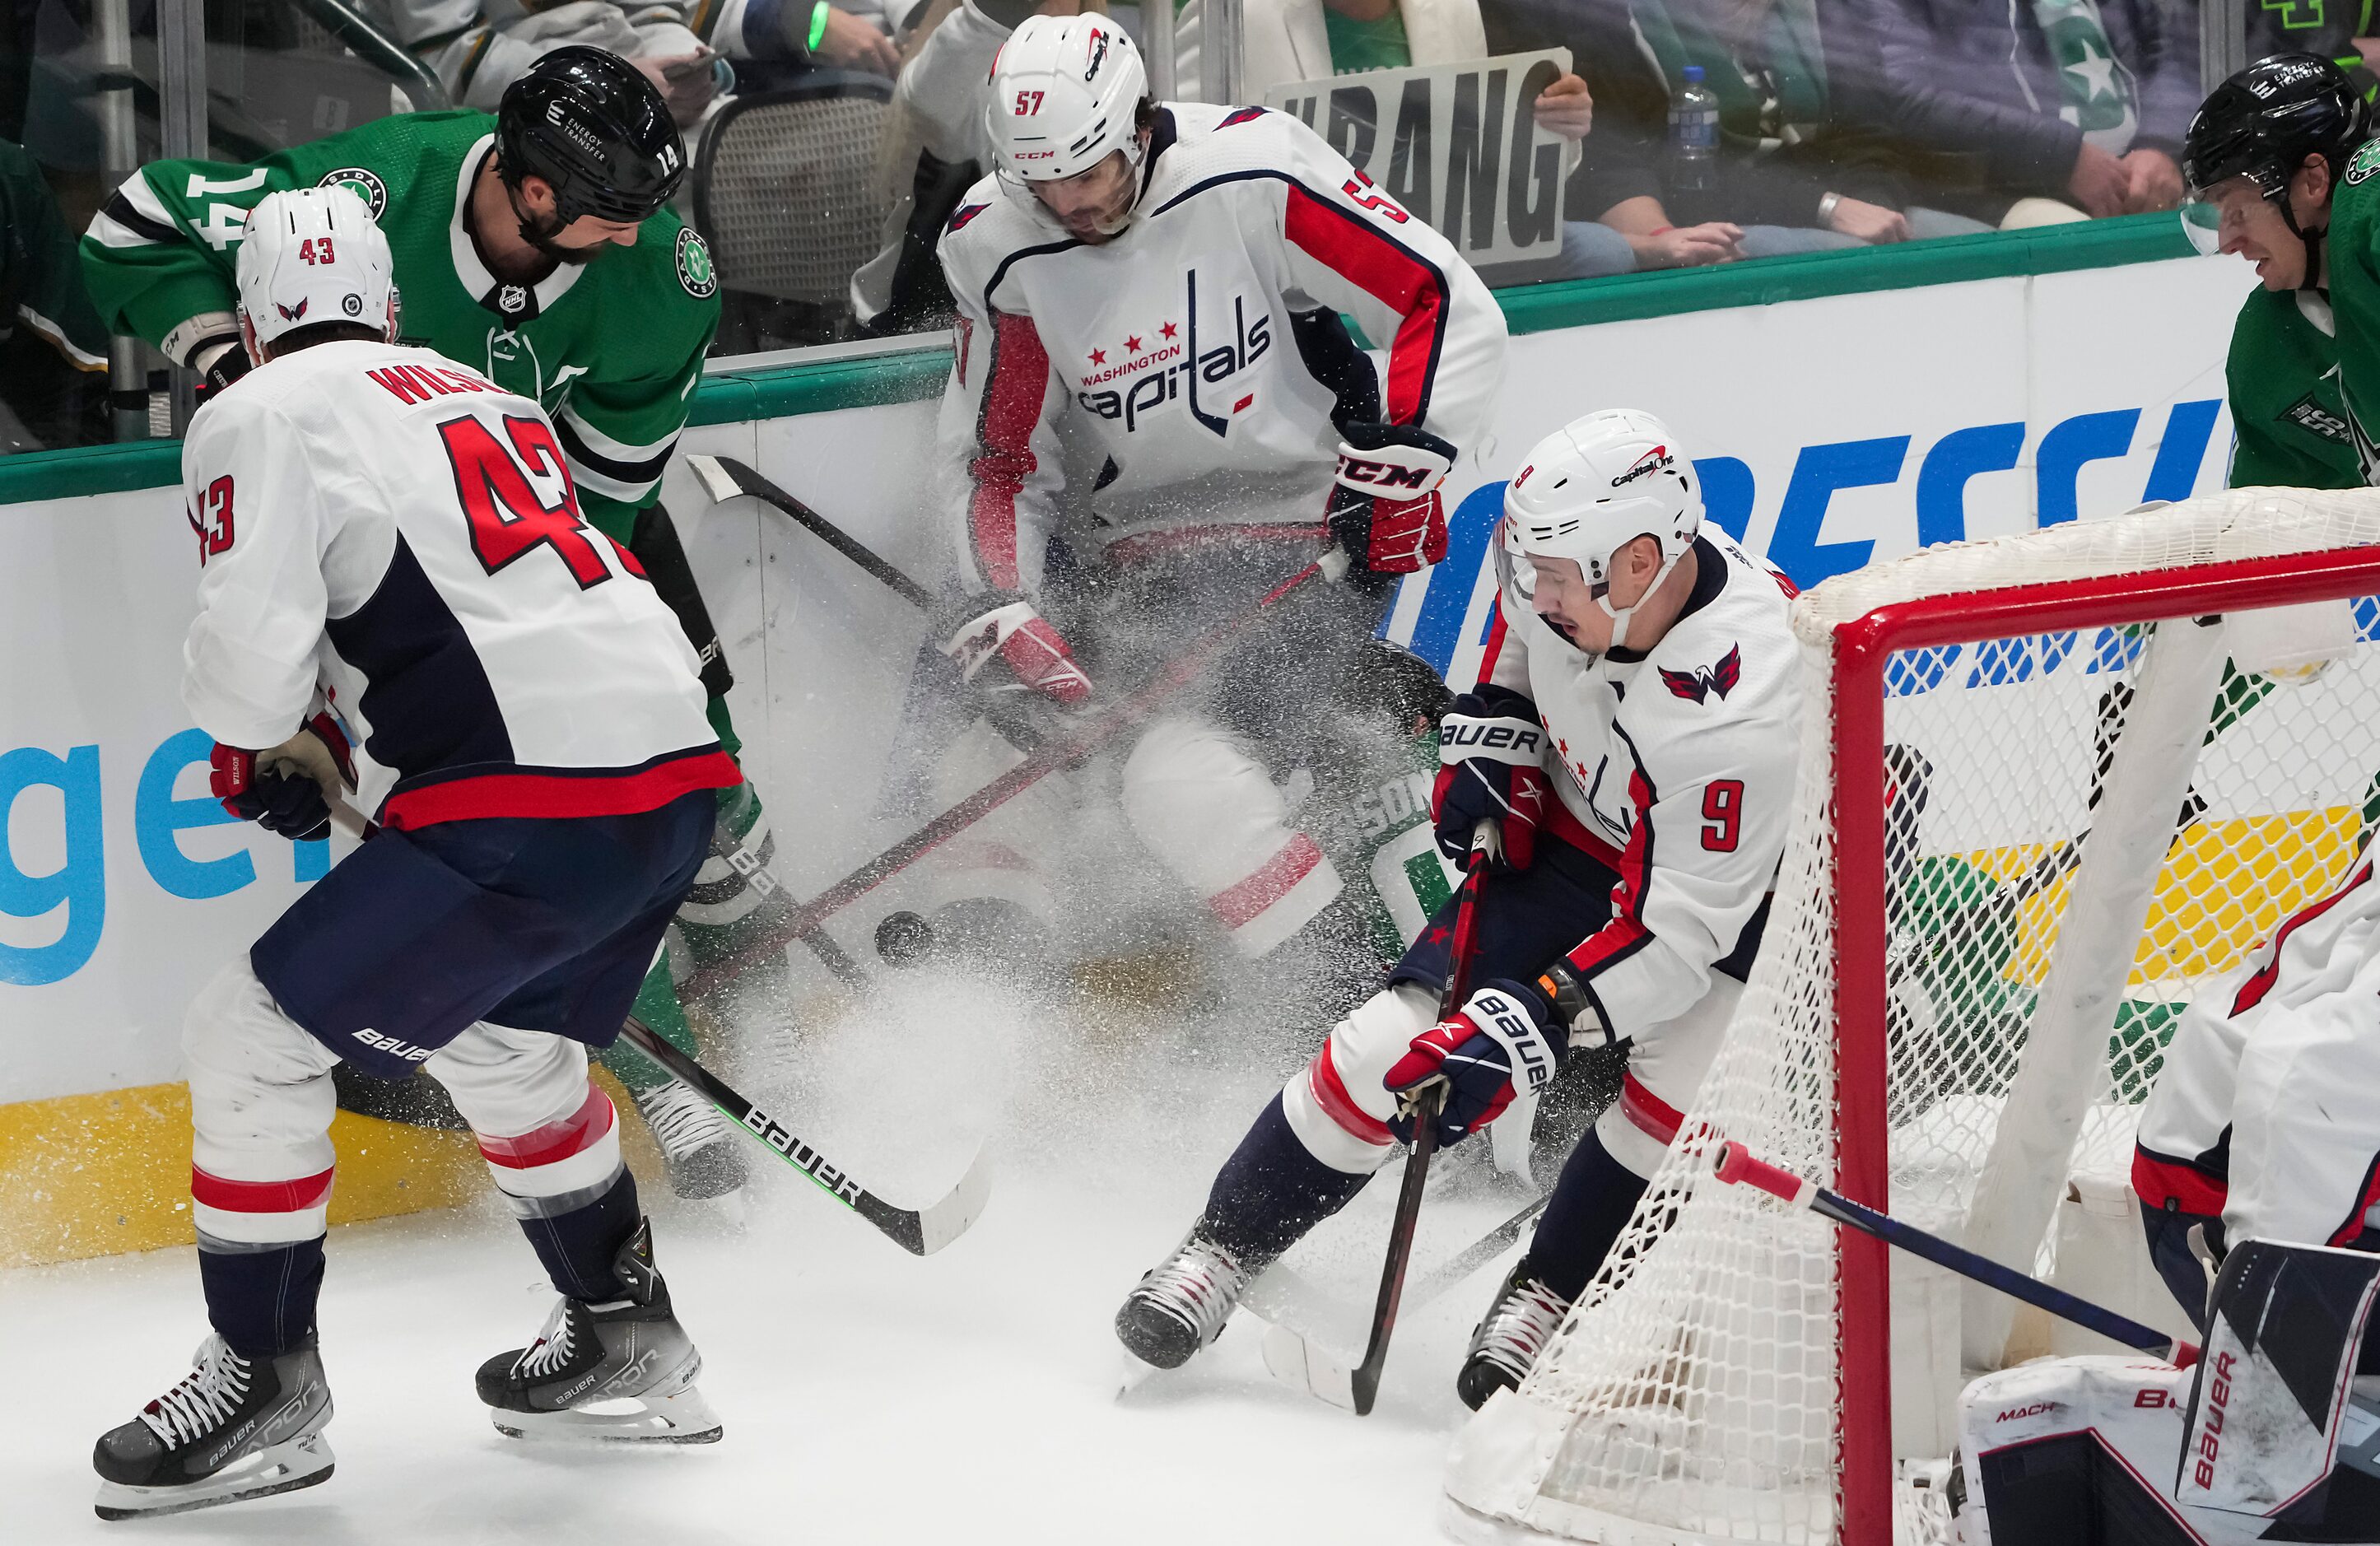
(1007, 628)
(1385, 511)
(1491, 766)
(283, 788)
(1502, 1036)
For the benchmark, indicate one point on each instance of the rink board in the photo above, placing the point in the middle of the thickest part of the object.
(1832, 426)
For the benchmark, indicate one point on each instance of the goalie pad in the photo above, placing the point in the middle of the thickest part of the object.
(2272, 1436)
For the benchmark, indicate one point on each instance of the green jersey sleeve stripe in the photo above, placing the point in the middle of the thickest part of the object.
(119, 213)
(621, 480)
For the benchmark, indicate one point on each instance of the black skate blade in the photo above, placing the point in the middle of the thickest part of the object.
(282, 1471)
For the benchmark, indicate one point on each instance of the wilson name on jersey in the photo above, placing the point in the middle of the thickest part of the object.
(389, 528)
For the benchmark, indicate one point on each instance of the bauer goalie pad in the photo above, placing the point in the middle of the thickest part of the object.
(2272, 1436)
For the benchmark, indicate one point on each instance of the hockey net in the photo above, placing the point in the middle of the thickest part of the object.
(2045, 793)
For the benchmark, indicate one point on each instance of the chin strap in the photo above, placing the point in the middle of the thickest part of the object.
(1619, 615)
(2312, 241)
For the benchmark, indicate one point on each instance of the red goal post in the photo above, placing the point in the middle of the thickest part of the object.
(1684, 1399)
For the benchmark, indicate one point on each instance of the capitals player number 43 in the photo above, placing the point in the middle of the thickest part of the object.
(508, 517)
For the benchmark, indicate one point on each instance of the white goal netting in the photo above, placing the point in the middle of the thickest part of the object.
(2080, 825)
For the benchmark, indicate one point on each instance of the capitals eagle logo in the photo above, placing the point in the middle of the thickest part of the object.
(1697, 687)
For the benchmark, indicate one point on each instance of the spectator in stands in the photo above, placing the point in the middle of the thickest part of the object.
(933, 153)
(53, 349)
(1285, 40)
(1787, 179)
(2079, 102)
(478, 49)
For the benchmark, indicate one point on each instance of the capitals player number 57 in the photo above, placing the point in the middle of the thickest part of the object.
(1365, 192)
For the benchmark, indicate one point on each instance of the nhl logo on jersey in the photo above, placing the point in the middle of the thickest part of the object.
(512, 301)
(361, 181)
(2365, 162)
(694, 270)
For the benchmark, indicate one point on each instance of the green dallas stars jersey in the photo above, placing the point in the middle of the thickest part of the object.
(2353, 250)
(613, 350)
(2283, 378)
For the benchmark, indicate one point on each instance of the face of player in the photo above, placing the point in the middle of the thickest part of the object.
(580, 242)
(2250, 225)
(1094, 205)
(1575, 607)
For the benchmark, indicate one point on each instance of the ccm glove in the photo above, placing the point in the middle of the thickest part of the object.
(219, 362)
(1385, 511)
(1497, 1040)
(1491, 766)
(1026, 645)
(286, 788)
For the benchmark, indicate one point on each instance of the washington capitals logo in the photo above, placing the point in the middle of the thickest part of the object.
(1696, 686)
(1651, 461)
(290, 313)
(964, 214)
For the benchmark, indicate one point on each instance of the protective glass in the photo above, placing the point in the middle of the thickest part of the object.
(1514, 573)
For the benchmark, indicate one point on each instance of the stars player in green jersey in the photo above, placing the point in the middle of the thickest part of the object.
(537, 246)
(2277, 176)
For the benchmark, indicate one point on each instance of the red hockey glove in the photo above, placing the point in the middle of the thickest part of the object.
(1385, 511)
(1499, 1037)
(1023, 640)
(284, 788)
(1490, 755)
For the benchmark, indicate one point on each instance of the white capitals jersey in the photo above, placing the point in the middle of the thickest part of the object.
(1682, 759)
(385, 526)
(1199, 355)
(2266, 1112)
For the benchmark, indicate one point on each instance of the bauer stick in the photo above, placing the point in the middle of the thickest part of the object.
(921, 1231)
(1059, 752)
(1290, 1356)
(1738, 1166)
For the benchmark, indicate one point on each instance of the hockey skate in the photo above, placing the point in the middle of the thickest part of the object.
(231, 1429)
(704, 1156)
(1181, 1303)
(1506, 1344)
(622, 1371)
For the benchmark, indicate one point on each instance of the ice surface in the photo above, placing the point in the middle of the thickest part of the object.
(868, 1397)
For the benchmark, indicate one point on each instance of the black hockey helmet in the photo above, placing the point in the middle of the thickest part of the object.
(586, 121)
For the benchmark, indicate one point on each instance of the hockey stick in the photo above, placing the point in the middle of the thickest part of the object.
(1282, 1297)
(723, 479)
(921, 1231)
(1291, 1356)
(1059, 752)
(747, 863)
(1738, 1166)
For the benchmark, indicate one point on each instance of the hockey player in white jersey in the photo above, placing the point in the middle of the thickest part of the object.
(390, 545)
(2244, 1135)
(1157, 288)
(2258, 1155)
(1632, 732)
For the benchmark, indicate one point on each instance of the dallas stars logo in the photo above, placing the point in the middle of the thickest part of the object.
(361, 181)
(2365, 162)
(694, 268)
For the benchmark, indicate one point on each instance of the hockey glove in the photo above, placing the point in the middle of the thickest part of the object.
(1491, 766)
(219, 362)
(286, 788)
(1385, 512)
(1009, 630)
(1499, 1037)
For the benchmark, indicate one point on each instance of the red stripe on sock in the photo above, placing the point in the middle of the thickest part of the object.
(1238, 903)
(1330, 1092)
(259, 1196)
(575, 1133)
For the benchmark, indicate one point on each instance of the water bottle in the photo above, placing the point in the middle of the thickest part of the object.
(1693, 134)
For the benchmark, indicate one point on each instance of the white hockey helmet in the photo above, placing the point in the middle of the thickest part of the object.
(1065, 93)
(1591, 488)
(314, 255)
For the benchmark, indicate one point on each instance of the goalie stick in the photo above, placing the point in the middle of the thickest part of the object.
(921, 1231)
(1736, 1165)
(1292, 1358)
